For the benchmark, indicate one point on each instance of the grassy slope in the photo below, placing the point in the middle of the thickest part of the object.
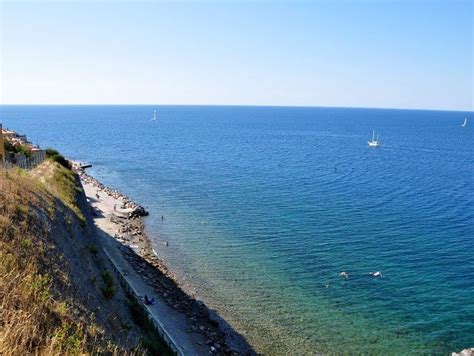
(54, 298)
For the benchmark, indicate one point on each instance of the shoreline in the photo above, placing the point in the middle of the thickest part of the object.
(121, 218)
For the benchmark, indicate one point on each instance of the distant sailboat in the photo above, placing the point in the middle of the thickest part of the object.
(374, 142)
(464, 123)
(154, 116)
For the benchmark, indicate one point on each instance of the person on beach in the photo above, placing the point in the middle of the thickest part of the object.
(148, 301)
(115, 206)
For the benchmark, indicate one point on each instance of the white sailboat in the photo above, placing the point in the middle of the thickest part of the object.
(464, 123)
(374, 142)
(154, 116)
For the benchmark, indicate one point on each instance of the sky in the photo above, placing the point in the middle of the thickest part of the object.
(339, 53)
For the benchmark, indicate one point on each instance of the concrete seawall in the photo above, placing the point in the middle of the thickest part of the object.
(160, 329)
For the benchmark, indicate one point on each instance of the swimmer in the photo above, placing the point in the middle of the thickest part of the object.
(344, 274)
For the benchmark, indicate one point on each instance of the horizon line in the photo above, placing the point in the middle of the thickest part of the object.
(250, 105)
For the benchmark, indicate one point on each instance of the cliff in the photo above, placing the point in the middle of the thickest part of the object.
(57, 294)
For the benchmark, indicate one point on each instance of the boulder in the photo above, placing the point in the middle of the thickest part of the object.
(465, 352)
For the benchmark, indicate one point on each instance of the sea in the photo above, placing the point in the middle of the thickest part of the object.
(264, 207)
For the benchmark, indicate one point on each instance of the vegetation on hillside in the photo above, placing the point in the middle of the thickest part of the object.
(39, 312)
(17, 148)
(57, 296)
(154, 345)
(64, 183)
(55, 156)
(32, 317)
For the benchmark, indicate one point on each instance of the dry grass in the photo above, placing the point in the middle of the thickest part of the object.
(36, 316)
(61, 182)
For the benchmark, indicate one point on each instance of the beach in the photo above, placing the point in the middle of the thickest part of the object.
(189, 323)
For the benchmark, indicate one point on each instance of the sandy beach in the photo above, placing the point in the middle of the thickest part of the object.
(186, 320)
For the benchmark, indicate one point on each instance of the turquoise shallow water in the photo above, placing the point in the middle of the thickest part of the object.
(264, 207)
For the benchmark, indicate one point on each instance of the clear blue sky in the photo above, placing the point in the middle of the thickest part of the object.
(380, 53)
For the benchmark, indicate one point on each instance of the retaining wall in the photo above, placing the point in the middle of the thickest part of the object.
(159, 327)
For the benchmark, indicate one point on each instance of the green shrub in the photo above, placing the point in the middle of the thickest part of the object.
(154, 346)
(92, 249)
(51, 152)
(109, 285)
(16, 149)
(152, 341)
(66, 186)
(139, 315)
(55, 156)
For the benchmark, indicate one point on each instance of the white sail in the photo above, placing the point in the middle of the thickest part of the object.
(464, 123)
(374, 142)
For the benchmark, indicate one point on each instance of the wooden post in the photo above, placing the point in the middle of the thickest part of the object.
(2, 148)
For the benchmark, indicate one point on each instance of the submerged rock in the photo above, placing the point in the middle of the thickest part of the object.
(138, 211)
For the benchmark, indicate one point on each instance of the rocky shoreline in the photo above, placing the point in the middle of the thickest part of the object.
(135, 209)
(137, 250)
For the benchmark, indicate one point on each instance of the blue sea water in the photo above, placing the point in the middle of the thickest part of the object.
(264, 207)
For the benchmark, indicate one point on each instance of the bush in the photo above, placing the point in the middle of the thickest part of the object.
(92, 249)
(140, 316)
(67, 188)
(16, 149)
(51, 152)
(55, 156)
(109, 286)
(152, 341)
